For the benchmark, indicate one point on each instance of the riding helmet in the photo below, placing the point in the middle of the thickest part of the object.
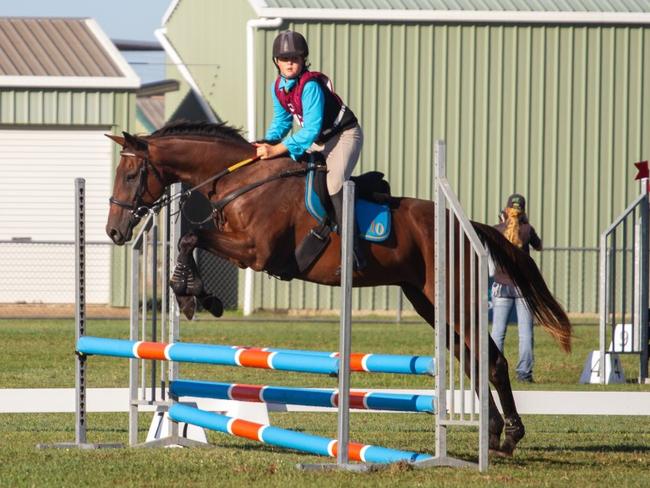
(289, 43)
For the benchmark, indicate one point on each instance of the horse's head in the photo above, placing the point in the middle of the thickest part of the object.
(138, 184)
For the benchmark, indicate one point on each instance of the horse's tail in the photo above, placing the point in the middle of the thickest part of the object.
(526, 276)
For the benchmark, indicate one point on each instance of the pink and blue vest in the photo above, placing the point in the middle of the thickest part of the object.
(337, 116)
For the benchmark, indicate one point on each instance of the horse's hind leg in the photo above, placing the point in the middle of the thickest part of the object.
(425, 309)
(496, 421)
(515, 430)
(498, 374)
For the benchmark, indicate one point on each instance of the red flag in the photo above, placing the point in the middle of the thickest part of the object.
(642, 168)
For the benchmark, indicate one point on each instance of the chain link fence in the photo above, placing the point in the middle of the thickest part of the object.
(220, 278)
(38, 277)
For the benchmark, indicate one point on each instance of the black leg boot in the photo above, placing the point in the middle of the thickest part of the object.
(359, 260)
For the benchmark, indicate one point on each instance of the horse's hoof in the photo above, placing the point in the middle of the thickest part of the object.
(186, 281)
(515, 431)
(213, 305)
(188, 306)
(499, 453)
(178, 287)
(507, 448)
(494, 443)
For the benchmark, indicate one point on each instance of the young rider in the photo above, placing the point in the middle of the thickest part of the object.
(326, 123)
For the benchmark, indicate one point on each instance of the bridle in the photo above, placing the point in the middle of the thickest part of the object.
(137, 208)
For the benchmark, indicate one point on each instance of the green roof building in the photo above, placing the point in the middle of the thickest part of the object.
(545, 98)
(63, 85)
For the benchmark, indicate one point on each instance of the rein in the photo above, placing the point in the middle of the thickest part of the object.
(218, 206)
(184, 195)
(139, 210)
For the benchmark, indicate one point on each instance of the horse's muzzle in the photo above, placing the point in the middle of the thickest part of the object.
(116, 236)
(120, 225)
(119, 237)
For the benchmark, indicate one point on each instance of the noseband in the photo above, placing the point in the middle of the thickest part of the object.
(137, 208)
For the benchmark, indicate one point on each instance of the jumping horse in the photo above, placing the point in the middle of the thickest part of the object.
(261, 218)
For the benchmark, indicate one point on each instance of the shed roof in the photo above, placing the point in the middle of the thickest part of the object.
(150, 103)
(528, 11)
(151, 111)
(60, 52)
(470, 5)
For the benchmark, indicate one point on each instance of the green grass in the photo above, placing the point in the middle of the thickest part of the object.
(557, 450)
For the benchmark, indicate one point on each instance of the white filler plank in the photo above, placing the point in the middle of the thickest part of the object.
(62, 400)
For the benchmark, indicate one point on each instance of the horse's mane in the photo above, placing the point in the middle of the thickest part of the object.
(202, 129)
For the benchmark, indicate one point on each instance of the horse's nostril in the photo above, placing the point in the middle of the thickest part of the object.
(114, 234)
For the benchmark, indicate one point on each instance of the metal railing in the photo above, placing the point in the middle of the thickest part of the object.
(150, 271)
(454, 236)
(623, 279)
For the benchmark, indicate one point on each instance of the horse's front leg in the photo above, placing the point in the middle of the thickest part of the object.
(186, 282)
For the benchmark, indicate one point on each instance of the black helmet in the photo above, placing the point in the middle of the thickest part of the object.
(289, 43)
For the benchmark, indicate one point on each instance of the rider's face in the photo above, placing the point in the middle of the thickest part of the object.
(290, 66)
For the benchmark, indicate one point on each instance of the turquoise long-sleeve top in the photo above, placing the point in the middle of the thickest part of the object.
(313, 109)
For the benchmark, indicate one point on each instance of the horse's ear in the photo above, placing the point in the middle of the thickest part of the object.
(118, 139)
(135, 142)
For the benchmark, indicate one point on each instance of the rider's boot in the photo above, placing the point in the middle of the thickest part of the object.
(359, 258)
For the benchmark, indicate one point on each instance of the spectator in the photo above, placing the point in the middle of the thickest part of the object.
(515, 227)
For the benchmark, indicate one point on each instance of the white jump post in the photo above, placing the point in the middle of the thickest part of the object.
(163, 431)
(81, 398)
(453, 228)
(345, 334)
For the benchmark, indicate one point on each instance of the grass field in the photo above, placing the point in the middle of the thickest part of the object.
(557, 451)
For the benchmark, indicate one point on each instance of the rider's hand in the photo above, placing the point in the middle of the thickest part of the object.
(263, 150)
(268, 151)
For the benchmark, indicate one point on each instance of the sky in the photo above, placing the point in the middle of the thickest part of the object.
(120, 19)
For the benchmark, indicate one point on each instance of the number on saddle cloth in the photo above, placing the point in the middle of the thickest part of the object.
(373, 219)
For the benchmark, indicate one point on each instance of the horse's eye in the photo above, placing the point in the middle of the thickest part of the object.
(131, 177)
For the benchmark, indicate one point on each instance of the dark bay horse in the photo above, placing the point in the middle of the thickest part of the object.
(261, 228)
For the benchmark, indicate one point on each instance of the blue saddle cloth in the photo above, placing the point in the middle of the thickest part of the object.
(373, 219)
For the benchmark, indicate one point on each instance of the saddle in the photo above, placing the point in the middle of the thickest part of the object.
(372, 211)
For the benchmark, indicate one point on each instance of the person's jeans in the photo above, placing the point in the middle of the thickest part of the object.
(501, 309)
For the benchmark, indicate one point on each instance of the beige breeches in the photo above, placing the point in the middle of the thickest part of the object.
(341, 153)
